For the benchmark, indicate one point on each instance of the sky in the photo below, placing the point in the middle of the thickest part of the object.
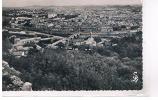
(22, 3)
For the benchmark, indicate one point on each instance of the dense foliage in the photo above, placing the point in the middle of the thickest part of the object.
(108, 68)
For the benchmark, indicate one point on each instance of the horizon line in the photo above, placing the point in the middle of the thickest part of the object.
(72, 5)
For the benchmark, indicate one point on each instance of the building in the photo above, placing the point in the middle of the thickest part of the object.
(51, 15)
(106, 29)
(30, 40)
(90, 41)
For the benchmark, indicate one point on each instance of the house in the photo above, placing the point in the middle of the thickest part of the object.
(51, 15)
(106, 29)
(30, 40)
(90, 41)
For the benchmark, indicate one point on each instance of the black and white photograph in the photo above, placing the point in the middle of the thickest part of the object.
(72, 45)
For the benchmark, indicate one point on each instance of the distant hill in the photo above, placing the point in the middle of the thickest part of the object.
(41, 6)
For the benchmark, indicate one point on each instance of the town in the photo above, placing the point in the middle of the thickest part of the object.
(73, 47)
(69, 27)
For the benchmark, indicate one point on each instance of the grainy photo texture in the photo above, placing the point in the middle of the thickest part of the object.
(72, 45)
